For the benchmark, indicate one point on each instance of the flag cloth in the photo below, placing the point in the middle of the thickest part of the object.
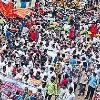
(72, 34)
(22, 12)
(8, 10)
(94, 30)
(34, 36)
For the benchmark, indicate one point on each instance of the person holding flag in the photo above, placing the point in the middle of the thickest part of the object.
(93, 29)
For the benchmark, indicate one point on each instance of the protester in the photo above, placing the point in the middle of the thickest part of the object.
(83, 83)
(51, 88)
(50, 52)
(93, 84)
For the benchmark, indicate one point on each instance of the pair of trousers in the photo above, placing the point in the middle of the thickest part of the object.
(82, 88)
(75, 86)
(48, 97)
(90, 92)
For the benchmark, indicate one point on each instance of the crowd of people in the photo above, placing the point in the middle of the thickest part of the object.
(57, 44)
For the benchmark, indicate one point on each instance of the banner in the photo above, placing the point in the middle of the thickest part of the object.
(10, 85)
(22, 12)
(9, 12)
(7, 9)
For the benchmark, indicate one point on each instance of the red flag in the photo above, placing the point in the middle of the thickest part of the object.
(41, 12)
(29, 25)
(72, 34)
(34, 36)
(94, 30)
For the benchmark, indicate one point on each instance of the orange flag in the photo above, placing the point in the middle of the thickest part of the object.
(9, 12)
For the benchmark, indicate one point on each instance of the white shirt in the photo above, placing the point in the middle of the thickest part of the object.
(62, 93)
(2, 64)
(16, 43)
(71, 85)
(25, 30)
(25, 69)
(5, 28)
(69, 96)
(9, 70)
(22, 40)
(50, 75)
(18, 76)
(43, 74)
(30, 64)
(36, 70)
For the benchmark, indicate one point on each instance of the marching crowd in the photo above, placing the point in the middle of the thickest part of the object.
(57, 44)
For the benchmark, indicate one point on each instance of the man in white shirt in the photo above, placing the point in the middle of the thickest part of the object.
(51, 73)
(5, 28)
(69, 95)
(71, 84)
(9, 69)
(63, 91)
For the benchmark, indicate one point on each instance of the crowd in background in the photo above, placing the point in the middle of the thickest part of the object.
(54, 44)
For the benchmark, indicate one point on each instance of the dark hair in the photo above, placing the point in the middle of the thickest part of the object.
(17, 93)
(52, 78)
(51, 68)
(70, 80)
(70, 90)
(38, 72)
(39, 90)
(66, 75)
(74, 56)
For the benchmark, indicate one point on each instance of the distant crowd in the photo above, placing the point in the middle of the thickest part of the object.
(57, 44)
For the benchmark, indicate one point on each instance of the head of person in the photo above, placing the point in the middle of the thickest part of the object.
(42, 69)
(26, 90)
(52, 79)
(38, 73)
(4, 68)
(0, 82)
(9, 94)
(58, 54)
(26, 77)
(39, 90)
(94, 74)
(70, 80)
(17, 93)
(9, 64)
(51, 69)
(74, 56)
(66, 75)
(64, 86)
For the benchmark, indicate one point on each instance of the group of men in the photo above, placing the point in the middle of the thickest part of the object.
(56, 44)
